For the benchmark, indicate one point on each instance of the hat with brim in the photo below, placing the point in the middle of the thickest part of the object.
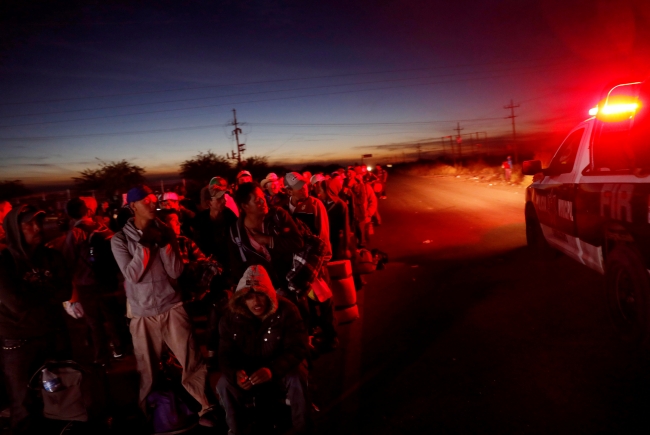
(294, 180)
(243, 174)
(29, 213)
(316, 178)
(167, 196)
(217, 187)
(138, 193)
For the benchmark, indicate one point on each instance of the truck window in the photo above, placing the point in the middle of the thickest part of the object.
(565, 157)
(624, 146)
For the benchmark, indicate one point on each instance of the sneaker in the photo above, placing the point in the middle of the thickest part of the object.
(116, 351)
(208, 420)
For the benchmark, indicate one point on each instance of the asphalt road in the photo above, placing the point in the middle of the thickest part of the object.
(466, 332)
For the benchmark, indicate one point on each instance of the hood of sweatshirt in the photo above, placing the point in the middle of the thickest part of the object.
(15, 241)
(255, 279)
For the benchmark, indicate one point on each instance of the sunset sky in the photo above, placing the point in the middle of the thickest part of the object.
(311, 81)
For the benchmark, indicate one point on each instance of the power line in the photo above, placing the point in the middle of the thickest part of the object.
(183, 100)
(191, 88)
(210, 126)
(258, 101)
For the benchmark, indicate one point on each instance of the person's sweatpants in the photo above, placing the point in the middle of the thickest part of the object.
(174, 329)
(233, 399)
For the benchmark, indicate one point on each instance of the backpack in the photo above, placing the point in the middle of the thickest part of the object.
(170, 405)
(70, 391)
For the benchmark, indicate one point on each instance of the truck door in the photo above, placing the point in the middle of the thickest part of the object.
(556, 192)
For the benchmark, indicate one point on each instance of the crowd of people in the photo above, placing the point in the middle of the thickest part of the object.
(252, 256)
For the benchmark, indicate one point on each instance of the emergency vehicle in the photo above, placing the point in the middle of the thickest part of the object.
(592, 203)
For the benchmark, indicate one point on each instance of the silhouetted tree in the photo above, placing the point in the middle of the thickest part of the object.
(10, 189)
(111, 177)
(258, 166)
(204, 166)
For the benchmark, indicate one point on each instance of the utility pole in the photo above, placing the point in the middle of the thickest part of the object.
(512, 116)
(459, 140)
(241, 147)
(453, 152)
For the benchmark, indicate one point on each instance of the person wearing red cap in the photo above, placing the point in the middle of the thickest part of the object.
(34, 282)
(244, 177)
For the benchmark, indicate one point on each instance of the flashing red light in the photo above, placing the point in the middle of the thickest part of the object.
(616, 109)
(621, 104)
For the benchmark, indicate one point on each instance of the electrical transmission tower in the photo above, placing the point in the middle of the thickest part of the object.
(512, 116)
(241, 147)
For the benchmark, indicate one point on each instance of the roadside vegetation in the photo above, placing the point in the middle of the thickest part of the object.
(478, 170)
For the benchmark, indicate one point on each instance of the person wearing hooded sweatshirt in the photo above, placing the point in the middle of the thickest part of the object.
(263, 348)
(34, 282)
(148, 255)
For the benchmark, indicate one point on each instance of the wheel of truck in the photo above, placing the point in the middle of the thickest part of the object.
(627, 287)
(535, 238)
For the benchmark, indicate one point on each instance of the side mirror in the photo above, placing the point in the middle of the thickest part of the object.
(531, 167)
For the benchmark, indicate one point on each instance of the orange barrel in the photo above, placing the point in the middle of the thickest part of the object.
(347, 315)
(344, 299)
(339, 269)
(343, 292)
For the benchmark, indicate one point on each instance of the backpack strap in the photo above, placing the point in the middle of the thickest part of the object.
(238, 242)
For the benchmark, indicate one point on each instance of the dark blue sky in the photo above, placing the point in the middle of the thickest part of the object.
(312, 81)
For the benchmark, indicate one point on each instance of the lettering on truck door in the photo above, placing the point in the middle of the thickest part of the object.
(558, 190)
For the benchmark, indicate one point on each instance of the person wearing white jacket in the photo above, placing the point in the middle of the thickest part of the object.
(147, 253)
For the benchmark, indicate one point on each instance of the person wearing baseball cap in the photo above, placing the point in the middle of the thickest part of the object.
(172, 201)
(244, 177)
(272, 187)
(308, 209)
(34, 282)
(250, 365)
(211, 235)
(147, 252)
(312, 212)
(169, 200)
